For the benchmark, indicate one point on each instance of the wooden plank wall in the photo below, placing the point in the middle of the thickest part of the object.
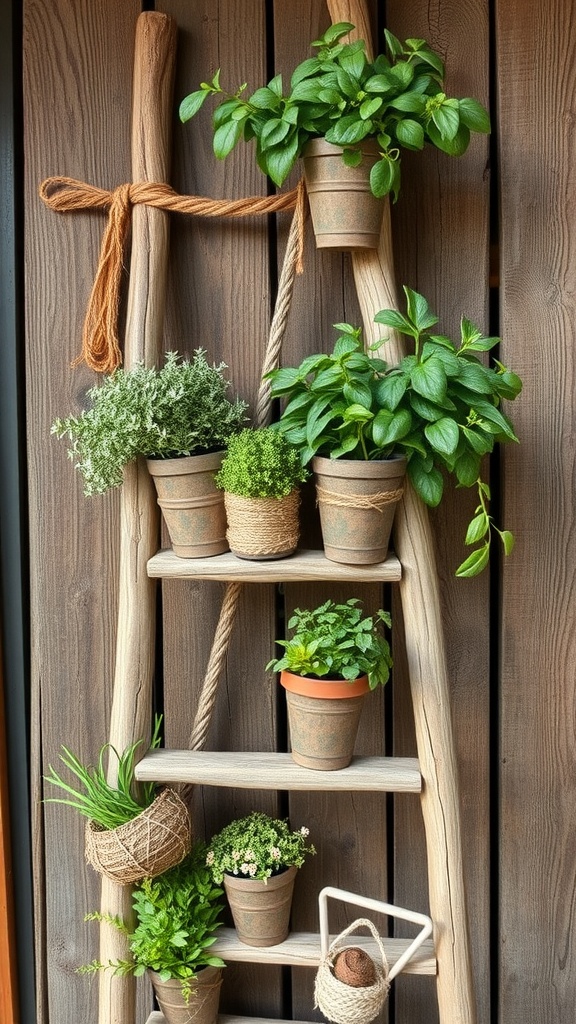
(77, 82)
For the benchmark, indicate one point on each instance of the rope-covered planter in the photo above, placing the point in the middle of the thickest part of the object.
(344, 1003)
(261, 528)
(155, 840)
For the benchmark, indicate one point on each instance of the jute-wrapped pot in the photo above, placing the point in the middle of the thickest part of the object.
(201, 1006)
(155, 840)
(262, 528)
(351, 1004)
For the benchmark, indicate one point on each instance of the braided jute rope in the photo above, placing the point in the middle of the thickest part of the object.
(378, 501)
(341, 1003)
(100, 342)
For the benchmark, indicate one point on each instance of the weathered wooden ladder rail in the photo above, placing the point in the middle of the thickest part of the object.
(374, 277)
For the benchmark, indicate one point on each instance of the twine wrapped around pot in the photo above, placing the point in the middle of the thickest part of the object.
(155, 840)
(347, 1004)
(262, 527)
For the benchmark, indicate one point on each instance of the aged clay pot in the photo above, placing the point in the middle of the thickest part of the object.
(345, 214)
(202, 1006)
(261, 910)
(323, 716)
(192, 505)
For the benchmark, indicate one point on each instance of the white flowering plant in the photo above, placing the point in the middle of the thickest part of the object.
(257, 847)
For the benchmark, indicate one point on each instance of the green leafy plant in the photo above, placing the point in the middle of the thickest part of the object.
(177, 915)
(261, 463)
(108, 806)
(181, 409)
(337, 641)
(256, 846)
(440, 407)
(397, 99)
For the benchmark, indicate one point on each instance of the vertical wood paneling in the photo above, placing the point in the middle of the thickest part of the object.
(77, 77)
(8, 979)
(440, 227)
(536, 82)
(219, 299)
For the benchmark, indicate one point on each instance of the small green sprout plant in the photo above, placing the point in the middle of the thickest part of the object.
(177, 919)
(261, 463)
(181, 409)
(107, 806)
(397, 99)
(440, 408)
(257, 846)
(337, 641)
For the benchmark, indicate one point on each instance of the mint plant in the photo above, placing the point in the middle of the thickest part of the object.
(177, 915)
(261, 463)
(181, 409)
(337, 641)
(257, 846)
(397, 99)
(440, 408)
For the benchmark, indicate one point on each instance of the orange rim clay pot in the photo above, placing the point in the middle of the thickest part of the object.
(323, 717)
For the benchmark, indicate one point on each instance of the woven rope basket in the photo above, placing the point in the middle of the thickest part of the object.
(341, 1003)
(154, 841)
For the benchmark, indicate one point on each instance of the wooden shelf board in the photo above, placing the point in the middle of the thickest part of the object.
(302, 566)
(302, 949)
(251, 770)
(229, 1018)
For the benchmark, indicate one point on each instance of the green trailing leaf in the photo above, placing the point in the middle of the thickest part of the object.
(475, 563)
(474, 116)
(191, 104)
(443, 435)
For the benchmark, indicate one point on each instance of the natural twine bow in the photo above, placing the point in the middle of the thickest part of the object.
(100, 342)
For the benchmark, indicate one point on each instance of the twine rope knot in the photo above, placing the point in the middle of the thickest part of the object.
(100, 342)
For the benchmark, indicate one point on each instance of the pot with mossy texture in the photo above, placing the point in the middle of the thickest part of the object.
(200, 1006)
(256, 858)
(334, 656)
(260, 477)
(346, 215)
(436, 414)
(180, 419)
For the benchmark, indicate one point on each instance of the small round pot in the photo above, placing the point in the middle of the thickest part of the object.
(192, 505)
(345, 213)
(155, 840)
(357, 501)
(261, 910)
(262, 528)
(202, 1005)
(323, 716)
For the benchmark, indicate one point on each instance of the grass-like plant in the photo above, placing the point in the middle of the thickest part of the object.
(440, 408)
(261, 463)
(257, 846)
(397, 99)
(181, 409)
(337, 641)
(108, 806)
(177, 915)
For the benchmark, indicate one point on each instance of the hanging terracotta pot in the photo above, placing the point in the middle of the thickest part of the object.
(262, 528)
(192, 505)
(261, 910)
(357, 501)
(323, 716)
(345, 213)
(201, 1006)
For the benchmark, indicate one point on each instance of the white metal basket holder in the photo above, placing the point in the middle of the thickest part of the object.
(344, 1003)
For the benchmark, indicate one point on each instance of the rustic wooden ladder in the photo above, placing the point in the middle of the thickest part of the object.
(434, 774)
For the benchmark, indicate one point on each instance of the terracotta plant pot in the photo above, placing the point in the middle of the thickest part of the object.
(202, 1005)
(155, 840)
(345, 214)
(192, 505)
(323, 716)
(262, 528)
(261, 910)
(357, 501)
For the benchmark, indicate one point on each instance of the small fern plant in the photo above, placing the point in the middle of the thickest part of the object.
(181, 409)
(177, 919)
(261, 463)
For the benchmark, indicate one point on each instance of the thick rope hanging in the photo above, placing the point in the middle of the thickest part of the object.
(100, 341)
